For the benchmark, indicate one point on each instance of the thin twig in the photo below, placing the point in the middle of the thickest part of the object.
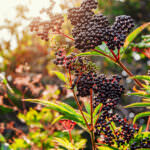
(71, 140)
(92, 127)
(111, 58)
(129, 73)
(116, 59)
(66, 36)
(91, 105)
(76, 99)
(148, 124)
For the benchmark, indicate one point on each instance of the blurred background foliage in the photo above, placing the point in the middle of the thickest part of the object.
(27, 71)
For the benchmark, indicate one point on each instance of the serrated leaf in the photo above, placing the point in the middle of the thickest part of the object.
(96, 110)
(143, 114)
(142, 77)
(59, 106)
(138, 105)
(134, 34)
(60, 75)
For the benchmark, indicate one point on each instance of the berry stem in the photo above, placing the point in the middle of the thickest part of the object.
(148, 124)
(118, 54)
(76, 99)
(111, 58)
(65, 35)
(129, 73)
(116, 59)
(70, 136)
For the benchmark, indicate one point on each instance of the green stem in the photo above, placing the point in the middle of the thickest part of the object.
(91, 105)
(93, 140)
(99, 114)
(129, 73)
(77, 101)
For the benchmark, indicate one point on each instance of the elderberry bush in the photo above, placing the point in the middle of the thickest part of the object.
(91, 29)
(106, 90)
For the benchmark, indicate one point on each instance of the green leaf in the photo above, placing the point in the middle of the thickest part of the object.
(63, 109)
(140, 94)
(138, 105)
(81, 144)
(87, 107)
(5, 109)
(142, 77)
(134, 34)
(2, 139)
(106, 147)
(96, 110)
(64, 143)
(96, 117)
(143, 114)
(60, 75)
(57, 119)
(68, 107)
(91, 53)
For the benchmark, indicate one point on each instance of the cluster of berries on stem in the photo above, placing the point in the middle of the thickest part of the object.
(91, 29)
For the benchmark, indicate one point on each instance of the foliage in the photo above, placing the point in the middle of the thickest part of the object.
(30, 76)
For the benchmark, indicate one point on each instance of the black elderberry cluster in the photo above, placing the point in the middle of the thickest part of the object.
(143, 143)
(107, 91)
(74, 63)
(90, 29)
(44, 27)
(119, 136)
